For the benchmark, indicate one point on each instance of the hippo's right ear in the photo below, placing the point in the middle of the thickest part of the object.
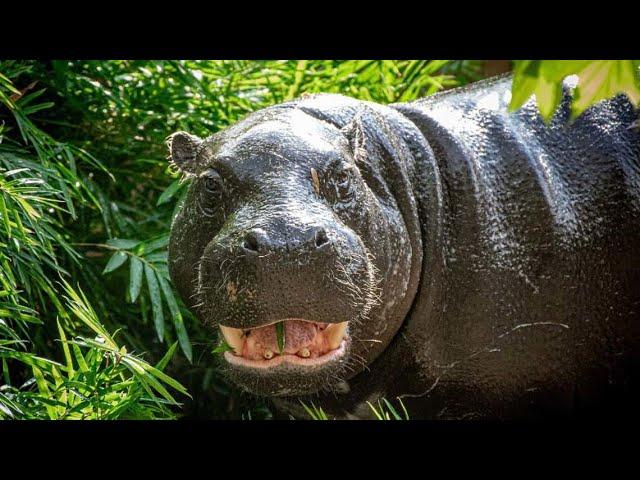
(183, 149)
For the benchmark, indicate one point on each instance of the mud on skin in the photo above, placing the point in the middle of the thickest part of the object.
(480, 263)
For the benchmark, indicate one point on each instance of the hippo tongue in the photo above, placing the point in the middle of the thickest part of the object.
(297, 334)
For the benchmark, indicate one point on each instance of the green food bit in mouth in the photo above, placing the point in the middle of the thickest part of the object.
(280, 336)
(222, 347)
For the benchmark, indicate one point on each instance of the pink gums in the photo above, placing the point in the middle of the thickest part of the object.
(313, 361)
(298, 334)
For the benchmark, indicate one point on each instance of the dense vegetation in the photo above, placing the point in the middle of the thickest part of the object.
(89, 324)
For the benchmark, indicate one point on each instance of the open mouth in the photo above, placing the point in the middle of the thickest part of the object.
(294, 340)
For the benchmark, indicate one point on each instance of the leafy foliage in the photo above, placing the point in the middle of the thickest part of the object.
(106, 382)
(315, 413)
(384, 410)
(597, 80)
(41, 189)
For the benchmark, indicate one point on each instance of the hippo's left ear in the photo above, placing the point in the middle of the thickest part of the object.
(183, 149)
(354, 131)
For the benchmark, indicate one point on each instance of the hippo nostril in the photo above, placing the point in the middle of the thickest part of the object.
(321, 238)
(251, 242)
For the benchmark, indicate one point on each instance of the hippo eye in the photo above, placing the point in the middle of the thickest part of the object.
(211, 192)
(344, 184)
(213, 182)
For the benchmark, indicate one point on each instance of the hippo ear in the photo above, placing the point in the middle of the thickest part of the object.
(354, 131)
(183, 148)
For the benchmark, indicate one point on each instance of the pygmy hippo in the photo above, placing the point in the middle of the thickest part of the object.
(474, 262)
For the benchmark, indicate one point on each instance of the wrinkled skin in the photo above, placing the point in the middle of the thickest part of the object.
(488, 264)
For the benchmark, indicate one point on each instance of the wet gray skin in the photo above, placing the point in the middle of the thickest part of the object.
(261, 238)
(488, 264)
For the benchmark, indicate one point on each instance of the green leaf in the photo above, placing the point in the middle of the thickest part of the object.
(528, 80)
(44, 390)
(404, 409)
(222, 347)
(170, 191)
(162, 376)
(5, 215)
(82, 364)
(558, 70)
(391, 409)
(156, 302)
(5, 372)
(167, 357)
(65, 349)
(378, 414)
(116, 260)
(178, 322)
(154, 244)
(316, 413)
(548, 97)
(280, 336)
(598, 80)
(525, 79)
(604, 79)
(122, 243)
(135, 278)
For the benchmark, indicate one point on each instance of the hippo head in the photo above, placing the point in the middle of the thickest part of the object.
(298, 239)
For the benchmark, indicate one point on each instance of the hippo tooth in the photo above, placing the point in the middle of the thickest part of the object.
(233, 336)
(335, 333)
(304, 352)
(268, 354)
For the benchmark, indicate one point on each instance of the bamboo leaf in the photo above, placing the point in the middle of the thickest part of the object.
(65, 349)
(603, 79)
(169, 193)
(116, 260)
(391, 409)
(44, 391)
(167, 357)
(135, 278)
(156, 302)
(122, 243)
(178, 322)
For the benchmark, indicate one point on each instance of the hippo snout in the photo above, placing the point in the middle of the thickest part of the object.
(258, 241)
(252, 276)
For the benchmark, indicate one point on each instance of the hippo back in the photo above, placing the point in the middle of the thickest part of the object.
(537, 299)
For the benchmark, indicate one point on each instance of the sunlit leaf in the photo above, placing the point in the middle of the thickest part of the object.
(548, 96)
(604, 79)
(65, 350)
(525, 80)
(597, 80)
